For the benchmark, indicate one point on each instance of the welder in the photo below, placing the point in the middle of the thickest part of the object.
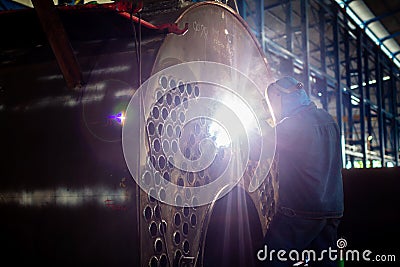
(310, 194)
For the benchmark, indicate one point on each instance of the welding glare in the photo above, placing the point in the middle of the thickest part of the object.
(218, 132)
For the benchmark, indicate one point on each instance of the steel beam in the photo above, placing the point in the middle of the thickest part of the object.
(395, 123)
(393, 35)
(349, 125)
(339, 94)
(387, 14)
(261, 23)
(289, 35)
(322, 33)
(378, 78)
(363, 141)
(304, 4)
(59, 42)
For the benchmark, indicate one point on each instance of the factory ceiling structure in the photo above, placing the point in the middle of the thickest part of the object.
(302, 38)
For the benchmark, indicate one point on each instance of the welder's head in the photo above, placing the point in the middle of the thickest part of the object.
(285, 96)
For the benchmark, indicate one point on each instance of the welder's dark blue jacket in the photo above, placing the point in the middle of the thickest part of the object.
(310, 163)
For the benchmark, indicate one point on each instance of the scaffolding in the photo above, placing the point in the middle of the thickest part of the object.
(343, 69)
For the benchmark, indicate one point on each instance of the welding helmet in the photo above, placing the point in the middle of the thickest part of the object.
(286, 85)
(293, 95)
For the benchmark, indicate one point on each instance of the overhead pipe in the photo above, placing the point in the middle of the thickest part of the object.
(128, 11)
(59, 42)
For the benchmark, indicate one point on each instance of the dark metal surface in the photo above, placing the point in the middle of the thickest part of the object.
(66, 196)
